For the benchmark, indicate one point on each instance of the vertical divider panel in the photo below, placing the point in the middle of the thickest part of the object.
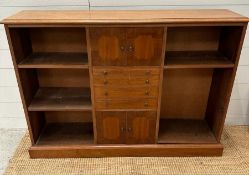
(88, 41)
(19, 52)
(161, 82)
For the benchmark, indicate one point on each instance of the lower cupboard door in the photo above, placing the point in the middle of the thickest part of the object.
(111, 127)
(141, 127)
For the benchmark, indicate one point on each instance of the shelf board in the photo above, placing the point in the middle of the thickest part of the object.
(63, 134)
(196, 59)
(185, 131)
(55, 60)
(61, 99)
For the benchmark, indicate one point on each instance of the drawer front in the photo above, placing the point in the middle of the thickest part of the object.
(127, 104)
(121, 71)
(122, 77)
(152, 80)
(126, 92)
(123, 81)
(145, 72)
(113, 72)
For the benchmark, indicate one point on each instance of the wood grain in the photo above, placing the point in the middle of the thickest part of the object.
(185, 131)
(149, 150)
(204, 59)
(55, 60)
(129, 104)
(61, 99)
(107, 17)
(57, 134)
(63, 77)
(185, 93)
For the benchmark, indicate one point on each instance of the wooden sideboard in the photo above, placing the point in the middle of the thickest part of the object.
(125, 83)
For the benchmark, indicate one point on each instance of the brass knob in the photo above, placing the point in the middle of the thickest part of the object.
(146, 92)
(105, 82)
(146, 104)
(147, 81)
(105, 72)
(122, 48)
(129, 129)
(123, 129)
(130, 49)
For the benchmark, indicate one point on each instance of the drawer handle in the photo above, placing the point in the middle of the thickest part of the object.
(123, 129)
(147, 93)
(105, 82)
(130, 49)
(146, 104)
(147, 81)
(129, 129)
(122, 48)
(105, 72)
(106, 93)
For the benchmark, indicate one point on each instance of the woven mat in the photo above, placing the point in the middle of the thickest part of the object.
(235, 160)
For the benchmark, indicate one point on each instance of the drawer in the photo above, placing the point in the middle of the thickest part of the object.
(147, 103)
(124, 81)
(125, 77)
(111, 80)
(113, 72)
(125, 72)
(125, 92)
(145, 72)
(152, 80)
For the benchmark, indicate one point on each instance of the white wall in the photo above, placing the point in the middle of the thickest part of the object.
(11, 112)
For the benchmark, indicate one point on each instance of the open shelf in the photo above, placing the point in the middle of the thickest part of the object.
(66, 134)
(185, 131)
(55, 60)
(196, 59)
(61, 99)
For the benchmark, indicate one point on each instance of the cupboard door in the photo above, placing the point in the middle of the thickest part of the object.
(107, 46)
(111, 127)
(141, 127)
(144, 46)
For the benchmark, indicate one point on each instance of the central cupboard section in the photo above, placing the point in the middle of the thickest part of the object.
(126, 65)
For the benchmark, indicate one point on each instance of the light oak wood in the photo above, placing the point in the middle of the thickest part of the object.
(107, 17)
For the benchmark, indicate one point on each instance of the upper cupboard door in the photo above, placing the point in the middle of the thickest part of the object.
(144, 46)
(107, 46)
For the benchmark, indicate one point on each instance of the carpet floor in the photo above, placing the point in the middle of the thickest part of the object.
(235, 160)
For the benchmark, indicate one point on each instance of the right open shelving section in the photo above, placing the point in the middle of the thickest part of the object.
(198, 69)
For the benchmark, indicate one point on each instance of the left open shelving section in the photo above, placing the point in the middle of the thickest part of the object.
(53, 72)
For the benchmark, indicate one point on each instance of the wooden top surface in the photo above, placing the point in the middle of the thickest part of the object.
(145, 16)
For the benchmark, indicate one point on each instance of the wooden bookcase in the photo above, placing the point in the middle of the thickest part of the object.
(147, 83)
